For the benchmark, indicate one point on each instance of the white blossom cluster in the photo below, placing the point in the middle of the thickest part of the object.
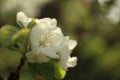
(113, 14)
(30, 7)
(102, 2)
(48, 42)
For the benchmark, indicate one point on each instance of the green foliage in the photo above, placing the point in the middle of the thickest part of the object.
(20, 24)
(11, 37)
(93, 46)
(31, 24)
(6, 33)
(45, 70)
(21, 35)
(9, 59)
(59, 72)
(21, 38)
(50, 70)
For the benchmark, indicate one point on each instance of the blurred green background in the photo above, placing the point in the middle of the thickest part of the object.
(95, 24)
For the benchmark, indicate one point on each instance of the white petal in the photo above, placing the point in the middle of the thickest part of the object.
(56, 36)
(43, 28)
(114, 14)
(38, 33)
(64, 56)
(48, 51)
(64, 65)
(42, 58)
(33, 56)
(64, 53)
(72, 44)
(57, 30)
(72, 62)
(21, 17)
(51, 22)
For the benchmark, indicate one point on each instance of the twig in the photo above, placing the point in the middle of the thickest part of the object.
(15, 49)
(15, 75)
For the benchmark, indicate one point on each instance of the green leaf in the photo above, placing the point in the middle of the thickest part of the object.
(31, 24)
(9, 58)
(20, 24)
(21, 38)
(59, 72)
(44, 69)
(21, 35)
(6, 32)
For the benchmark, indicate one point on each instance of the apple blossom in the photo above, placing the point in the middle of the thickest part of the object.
(22, 19)
(48, 42)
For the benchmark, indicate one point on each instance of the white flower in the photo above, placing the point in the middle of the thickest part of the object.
(46, 33)
(114, 13)
(102, 2)
(22, 19)
(48, 42)
(45, 37)
(65, 50)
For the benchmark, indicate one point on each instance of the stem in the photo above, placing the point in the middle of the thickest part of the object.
(15, 49)
(22, 62)
(16, 74)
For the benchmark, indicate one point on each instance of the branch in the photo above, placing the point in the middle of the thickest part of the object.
(15, 75)
(15, 49)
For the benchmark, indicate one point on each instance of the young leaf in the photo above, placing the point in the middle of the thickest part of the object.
(44, 69)
(20, 38)
(21, 34)
(6, 32)
(59, 72)
(31, 24)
